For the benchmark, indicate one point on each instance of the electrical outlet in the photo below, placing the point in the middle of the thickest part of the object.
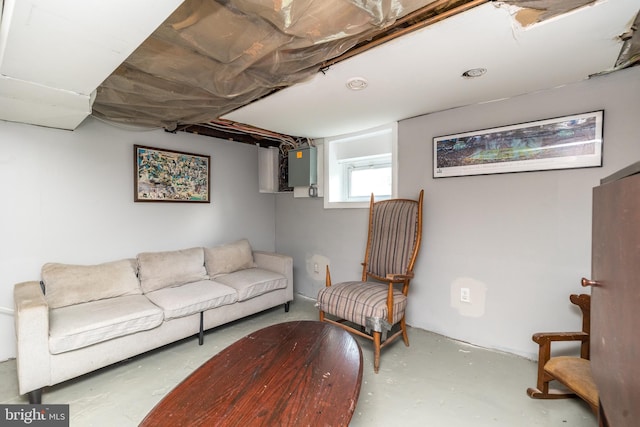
(465, 294)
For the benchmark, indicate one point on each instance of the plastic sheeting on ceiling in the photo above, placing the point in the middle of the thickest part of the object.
(211, 57)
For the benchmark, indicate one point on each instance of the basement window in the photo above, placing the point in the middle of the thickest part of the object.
(359, 164)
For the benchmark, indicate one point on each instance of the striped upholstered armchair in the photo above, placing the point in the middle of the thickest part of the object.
(374, 307)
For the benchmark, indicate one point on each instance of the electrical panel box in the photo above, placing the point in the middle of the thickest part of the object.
(303, 167)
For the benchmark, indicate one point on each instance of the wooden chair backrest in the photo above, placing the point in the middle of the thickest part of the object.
(583, 301)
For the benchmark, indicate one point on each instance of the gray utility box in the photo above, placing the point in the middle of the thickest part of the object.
(303, 167)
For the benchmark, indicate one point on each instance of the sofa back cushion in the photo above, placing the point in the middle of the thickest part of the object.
(228, 258)
(67, 284)
(159, 270)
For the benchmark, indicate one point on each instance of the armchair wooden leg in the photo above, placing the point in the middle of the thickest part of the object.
(376, 351)
(405, 336)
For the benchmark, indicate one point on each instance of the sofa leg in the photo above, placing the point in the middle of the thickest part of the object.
(35, 397)
(286, 307)
(201, 333)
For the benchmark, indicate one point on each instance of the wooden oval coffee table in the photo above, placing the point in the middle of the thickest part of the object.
(302, 373)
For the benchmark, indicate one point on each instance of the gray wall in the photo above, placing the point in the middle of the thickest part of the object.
(520, 242)
(68, 197)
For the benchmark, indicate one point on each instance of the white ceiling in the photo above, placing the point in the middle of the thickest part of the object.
(421, 73)
(55, 53)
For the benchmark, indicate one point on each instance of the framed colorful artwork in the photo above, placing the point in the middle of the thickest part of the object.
(162, 175)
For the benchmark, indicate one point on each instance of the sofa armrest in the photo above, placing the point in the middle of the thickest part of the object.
(278, 263)
(32, 336)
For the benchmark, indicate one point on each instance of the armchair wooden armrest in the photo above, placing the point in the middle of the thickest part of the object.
(399, 278)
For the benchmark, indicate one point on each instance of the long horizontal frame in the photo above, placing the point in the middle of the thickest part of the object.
(560, 143)
(162, 175)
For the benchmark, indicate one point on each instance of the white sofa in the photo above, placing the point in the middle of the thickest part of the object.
(81, 318)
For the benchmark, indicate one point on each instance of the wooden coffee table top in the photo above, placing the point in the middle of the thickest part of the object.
(302, 373)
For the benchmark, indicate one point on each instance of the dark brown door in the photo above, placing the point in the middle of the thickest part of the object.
(615, 303)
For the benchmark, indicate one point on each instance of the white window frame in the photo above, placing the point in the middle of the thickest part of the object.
(362, 163)
(336, 170)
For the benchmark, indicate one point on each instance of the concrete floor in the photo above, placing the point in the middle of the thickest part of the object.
(435, 382)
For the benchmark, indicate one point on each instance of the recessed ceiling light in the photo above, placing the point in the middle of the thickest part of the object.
(474, 72)
(357, 83)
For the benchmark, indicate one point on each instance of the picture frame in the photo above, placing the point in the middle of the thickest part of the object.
(566, 142)
(163, 175)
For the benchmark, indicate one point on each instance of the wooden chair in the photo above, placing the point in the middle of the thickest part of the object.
(572, 371)
(372, 306)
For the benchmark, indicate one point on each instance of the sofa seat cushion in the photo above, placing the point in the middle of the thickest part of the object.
(195, 297)
(82, 325)
(252, 282)
(159, 270)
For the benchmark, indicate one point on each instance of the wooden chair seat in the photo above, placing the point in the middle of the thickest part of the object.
(575, 373)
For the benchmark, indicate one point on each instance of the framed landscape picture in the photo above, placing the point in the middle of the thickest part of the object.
(162, 175)
(559, 143)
